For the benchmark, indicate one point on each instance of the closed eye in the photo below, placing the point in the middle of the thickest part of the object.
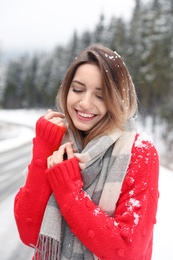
(77, 90)
(100, 97)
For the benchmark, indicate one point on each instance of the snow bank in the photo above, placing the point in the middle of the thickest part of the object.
(17, 127)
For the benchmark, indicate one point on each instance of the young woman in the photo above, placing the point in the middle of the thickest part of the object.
(92, 186)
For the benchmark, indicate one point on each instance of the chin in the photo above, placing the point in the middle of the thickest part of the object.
(83, 128)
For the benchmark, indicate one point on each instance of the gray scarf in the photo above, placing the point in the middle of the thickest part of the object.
(103, 163)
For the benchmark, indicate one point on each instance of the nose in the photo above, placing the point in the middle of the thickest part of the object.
(86, 102)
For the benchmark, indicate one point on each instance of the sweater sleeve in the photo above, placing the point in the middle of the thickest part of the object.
(127, 235)
(31, 200)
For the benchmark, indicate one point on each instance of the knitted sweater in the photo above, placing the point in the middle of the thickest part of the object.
(128, 235)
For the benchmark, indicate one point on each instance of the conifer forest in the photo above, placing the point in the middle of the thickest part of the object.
(145, 43)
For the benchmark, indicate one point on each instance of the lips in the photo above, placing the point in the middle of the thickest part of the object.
(84, 115)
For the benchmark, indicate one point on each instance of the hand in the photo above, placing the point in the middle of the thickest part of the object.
(65, 151)
(55, 117)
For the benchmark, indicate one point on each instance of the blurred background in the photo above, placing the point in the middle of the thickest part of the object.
(38, 41)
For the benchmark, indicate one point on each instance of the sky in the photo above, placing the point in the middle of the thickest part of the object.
(43, 24)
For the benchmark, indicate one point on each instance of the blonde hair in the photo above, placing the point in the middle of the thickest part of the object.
(118, 91)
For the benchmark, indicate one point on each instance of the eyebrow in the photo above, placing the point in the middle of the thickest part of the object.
(82, 84)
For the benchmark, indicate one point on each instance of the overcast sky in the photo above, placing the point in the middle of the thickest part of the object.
(42, 24)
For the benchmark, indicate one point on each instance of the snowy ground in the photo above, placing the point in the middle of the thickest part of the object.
(164, 227)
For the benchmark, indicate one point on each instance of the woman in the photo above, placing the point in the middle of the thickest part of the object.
(92, 186)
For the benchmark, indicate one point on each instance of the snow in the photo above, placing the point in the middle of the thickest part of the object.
(133, 203)
(17, 134)
(97, 211)
(142, 137)
(136, 217)
(164, 226)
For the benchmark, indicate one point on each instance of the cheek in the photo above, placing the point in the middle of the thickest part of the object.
(68, 104)
(69, 100)
(103, 110)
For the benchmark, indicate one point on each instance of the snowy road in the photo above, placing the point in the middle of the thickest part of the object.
(16, 133)
(12, 162)
(11, 248)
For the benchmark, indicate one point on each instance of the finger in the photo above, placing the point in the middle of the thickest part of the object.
(69, 151)
(75, 150)
(57, 121)
(50, 114)
(56, 157)
(59, 156)
(49, 162)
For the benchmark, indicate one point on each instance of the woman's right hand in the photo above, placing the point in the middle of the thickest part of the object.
(65, 151)
(55, 117)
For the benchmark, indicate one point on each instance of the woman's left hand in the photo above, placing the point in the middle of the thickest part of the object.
(65, 151)
(56, 118)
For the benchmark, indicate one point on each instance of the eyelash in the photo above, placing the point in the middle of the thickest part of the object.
(77, 90)
(99, 97)
(80, 91)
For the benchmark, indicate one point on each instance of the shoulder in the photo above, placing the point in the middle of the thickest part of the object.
(144, 145)
(143, 171)
(143, 140)
(144, 158)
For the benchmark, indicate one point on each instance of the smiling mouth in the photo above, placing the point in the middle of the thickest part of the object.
(85, 115)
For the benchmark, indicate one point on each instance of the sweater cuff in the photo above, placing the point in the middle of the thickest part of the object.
(49, 131)
(66, 176)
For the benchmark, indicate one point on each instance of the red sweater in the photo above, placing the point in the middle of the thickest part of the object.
(127, 235)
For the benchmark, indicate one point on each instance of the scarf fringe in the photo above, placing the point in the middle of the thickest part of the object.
(46, 248)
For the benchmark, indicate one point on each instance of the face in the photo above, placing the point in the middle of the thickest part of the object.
(85, 103)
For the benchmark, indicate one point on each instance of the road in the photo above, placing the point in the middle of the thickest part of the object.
(12, 164)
